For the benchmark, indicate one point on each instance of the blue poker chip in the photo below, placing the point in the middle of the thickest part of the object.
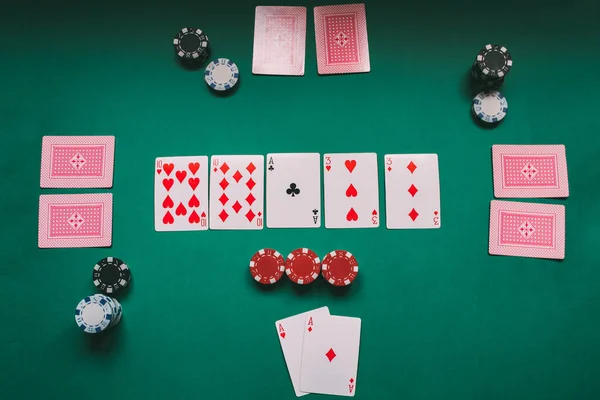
(94, 314)
(221, 75)
(490, 106)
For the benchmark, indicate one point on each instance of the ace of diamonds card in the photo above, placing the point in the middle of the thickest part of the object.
(330, 354)
(181, 193)
(351, 190)
(237, 192)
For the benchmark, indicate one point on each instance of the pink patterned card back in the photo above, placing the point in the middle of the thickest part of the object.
(279, 40)
(341, 38)
(77, 161)
(530, 171)
(527, 229)
(75, 220)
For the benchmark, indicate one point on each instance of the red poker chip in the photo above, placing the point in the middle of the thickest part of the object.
(340, 268)
(267, 266)
(303, 266)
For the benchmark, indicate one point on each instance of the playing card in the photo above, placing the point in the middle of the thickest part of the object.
(181, 193)
(341, 38)
(237, 192)
(330, 354)
(293, 190)
(527, 229)
(351, 190)
(77, 161)
(530, 171)
(279, 40)
(291, 337)
(75, 220)
(412, 191)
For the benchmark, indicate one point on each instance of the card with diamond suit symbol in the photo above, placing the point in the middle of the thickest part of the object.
(237, 192)
(330, 354)
(527, 171)
(77, 161)
(181, 193)
(412, 191)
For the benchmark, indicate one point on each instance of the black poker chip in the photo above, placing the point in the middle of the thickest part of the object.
(494, 61)
(191, 45)
(111, 275)
(483, 81)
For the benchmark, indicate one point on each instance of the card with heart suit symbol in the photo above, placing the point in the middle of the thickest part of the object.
(181, 193)
(290, 332)
(351, 190)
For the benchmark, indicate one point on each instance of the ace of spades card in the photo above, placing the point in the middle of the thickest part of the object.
(181, 193)
(351, 190)
(293, 190)
(237, 192)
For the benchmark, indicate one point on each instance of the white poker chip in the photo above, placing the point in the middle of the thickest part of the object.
(221, 74)
(490, 106)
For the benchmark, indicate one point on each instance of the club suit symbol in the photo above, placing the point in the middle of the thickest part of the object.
(293, 190)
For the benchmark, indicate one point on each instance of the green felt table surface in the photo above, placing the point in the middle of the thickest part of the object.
(441, 318)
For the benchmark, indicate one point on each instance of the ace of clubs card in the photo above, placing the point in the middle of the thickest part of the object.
(181, 193)
(237, 192)
(351, 190)
(330, 354)
(412, 191)
(293, 190)
(290, 332)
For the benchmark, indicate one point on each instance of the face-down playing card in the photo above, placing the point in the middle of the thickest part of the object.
(526, 171)
(181, 193)
(293, 190)
(77, 161)
(341, 39)
(279, 40)
(75, 220)
(237, 192)
(527, 229)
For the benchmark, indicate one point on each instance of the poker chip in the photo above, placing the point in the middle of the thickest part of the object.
(94, 314)
(191, 44)
(340, 268)
(303, 266)
(267, 266)
(221, 75)
(494, 61)
(111, 275)
(490, 106)
(485, 81)
(116, 308)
